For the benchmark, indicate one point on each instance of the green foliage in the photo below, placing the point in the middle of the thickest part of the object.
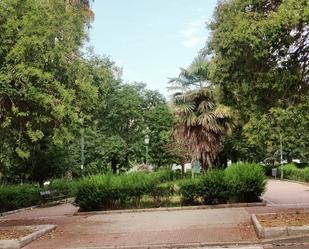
(245, 181)
(18, 196)
(202, 122)
(256, 59)
(64, 187)
(287, 125)
(110, 191)
(306, 174)
(51, 94)
(290, 171)
(259, 69)
(189, 189)
(161, 191)
(213, 187)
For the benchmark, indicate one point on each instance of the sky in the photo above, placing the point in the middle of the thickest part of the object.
(150, 39)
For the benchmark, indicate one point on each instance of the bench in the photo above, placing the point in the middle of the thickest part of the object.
(51, 195)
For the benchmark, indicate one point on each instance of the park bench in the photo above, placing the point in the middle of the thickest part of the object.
(51, 195)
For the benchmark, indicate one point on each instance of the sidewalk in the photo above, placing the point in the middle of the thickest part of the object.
(133, 229)
(287, 193)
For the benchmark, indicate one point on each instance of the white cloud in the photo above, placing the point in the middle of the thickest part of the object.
(192, 34)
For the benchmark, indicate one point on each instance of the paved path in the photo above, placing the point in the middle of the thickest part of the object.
(287, 193)
(133, 229)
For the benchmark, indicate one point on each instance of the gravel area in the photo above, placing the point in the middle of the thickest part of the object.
(9, 233)
(284, 219)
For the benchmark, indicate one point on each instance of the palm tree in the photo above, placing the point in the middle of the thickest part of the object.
(202, 123)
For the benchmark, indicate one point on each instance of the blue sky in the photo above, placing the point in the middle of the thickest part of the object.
(150, 39)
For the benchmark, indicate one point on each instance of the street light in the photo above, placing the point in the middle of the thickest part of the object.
(82, 148)
(146, 143)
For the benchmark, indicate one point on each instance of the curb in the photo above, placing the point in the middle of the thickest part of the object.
(278, 233)
(19, 243)
(144, 210)
(210, 245)
(17, 211)
(293, 181)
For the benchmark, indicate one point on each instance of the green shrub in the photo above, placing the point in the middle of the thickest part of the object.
(95, 193)
(110, 191)
(165, 175)
(213, 188)
(189, 190)
(64, 186)
(290, 171)
(245, 181)
(306, 174)
(18, 196)
(161, 191)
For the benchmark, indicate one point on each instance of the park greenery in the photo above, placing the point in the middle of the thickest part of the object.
(243, 97)
(163, 188)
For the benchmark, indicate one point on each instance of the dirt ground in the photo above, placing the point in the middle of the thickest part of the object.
(284, 219)
(14, 233)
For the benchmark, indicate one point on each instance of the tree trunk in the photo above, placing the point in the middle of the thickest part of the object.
(182, 164)
(204, 166)
(114, 165)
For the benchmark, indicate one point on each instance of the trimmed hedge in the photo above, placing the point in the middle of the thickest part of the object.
(189, 189)
(18, 196)
(213, 188)
(290, 171)
(245, 181)
(242, 182)
(111, 191)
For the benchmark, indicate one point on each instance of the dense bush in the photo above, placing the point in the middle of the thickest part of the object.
(111, 191)
(306, 174)
(213, 188)
(290, 171)
(64, 187)
(245, 181)
(189, 189)
(18, 196)
(161, 192)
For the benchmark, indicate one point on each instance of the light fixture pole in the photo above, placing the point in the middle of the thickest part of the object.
(281, 157)
(82, 148)
(146, 144)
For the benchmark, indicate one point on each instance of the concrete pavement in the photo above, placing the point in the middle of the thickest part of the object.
(136, 229)
(287, 193)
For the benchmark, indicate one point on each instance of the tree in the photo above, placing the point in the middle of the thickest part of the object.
(260, 53)
(159, 121)
(43, 82)
(289, 127)
(202, 123)
(178, 147)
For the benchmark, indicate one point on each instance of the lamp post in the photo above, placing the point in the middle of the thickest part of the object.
(146, 143)
(82, 148)
(281, 157)
(82, 153)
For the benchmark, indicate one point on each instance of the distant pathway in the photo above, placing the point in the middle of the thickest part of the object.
(287, 193)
